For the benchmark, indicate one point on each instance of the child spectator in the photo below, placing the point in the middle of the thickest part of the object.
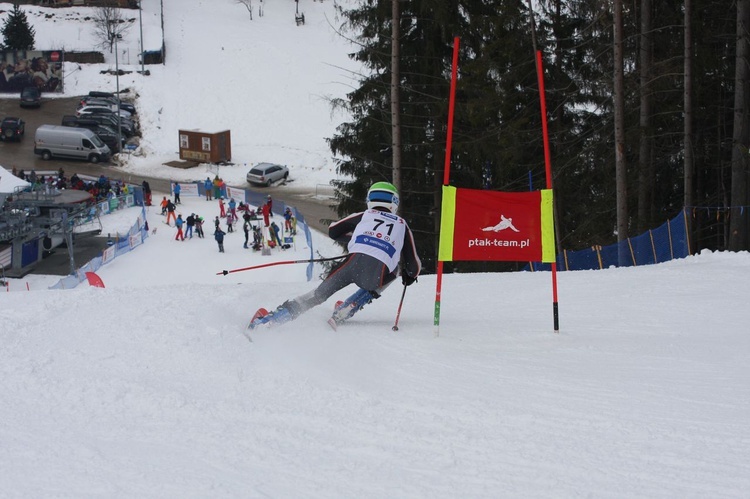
(199, 226)
(219, 236)
(288, 217)
(178, 223)
(230, 221)
(233, 208)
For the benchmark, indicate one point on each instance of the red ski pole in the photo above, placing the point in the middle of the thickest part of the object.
(285, 262)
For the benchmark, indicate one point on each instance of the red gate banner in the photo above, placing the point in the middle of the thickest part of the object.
(496, 226)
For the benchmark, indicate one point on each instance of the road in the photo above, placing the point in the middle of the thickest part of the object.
(21, 155)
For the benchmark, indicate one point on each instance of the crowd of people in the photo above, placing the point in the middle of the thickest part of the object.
(257, 226)
(100, 189)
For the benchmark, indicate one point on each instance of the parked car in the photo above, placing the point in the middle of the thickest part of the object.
(104, 132)
(69, 142)
(112, 98)
(86, 110)
(12, 128)
(267, 173)
(31, 97)
(103, 104)
(126, 126)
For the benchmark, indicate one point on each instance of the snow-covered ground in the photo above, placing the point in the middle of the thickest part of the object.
(147, 388)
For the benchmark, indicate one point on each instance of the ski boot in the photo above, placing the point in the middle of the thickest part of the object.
(343, 311)
(269, 319)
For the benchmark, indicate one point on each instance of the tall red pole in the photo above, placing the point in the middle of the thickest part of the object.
(447, 174)
(548, 168)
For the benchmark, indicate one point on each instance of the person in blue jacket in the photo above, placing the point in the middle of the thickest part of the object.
(177, 190)
(208, 185)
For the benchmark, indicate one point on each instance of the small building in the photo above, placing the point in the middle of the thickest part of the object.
(205, 147)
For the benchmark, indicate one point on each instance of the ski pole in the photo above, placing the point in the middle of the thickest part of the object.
(398, 314)
(286, 262)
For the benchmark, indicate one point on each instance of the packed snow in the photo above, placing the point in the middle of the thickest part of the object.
(148, 388)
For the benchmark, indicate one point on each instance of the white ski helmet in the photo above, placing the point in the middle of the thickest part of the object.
(383, 195)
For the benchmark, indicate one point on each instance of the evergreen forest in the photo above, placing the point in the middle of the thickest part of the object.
(647, 113)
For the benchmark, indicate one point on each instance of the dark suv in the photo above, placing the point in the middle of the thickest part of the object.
(31, 97)
(12, 129)
(110, 120)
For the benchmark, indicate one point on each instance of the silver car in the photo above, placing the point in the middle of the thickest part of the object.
(267, 173)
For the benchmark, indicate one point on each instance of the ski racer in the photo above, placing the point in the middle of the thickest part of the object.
(378, 241)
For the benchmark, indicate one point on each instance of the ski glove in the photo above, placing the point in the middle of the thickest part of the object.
(408, 280)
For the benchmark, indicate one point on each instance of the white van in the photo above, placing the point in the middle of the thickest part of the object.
(69, 142)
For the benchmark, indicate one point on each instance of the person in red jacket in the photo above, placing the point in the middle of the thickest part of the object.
(266, 209)
(222, 209)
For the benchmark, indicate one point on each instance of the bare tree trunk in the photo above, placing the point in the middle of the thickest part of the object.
(621, 178)
(688, 165)
(395, 96)
(645, 164)
(738, 214)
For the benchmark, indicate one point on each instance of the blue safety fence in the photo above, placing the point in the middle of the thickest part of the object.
(121, 244)
(667, 242)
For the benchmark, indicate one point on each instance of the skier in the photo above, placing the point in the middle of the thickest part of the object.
(378, 241)
(178, 223)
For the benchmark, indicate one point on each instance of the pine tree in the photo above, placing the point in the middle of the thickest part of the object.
(17, 33)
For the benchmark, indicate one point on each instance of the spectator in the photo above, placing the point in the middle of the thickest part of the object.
(170, 211)
(269, 202)
(189, 223)
(178, 223)
(217, 187)
(219, 236)
(274, 230)
(289, 221)
(199, 226)
(222, 209)
(230, 221)
(177, 190)
(209, 187)
(266, 209)
(257, 238)
(146, 193)
(233, 208)
(246, 229)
